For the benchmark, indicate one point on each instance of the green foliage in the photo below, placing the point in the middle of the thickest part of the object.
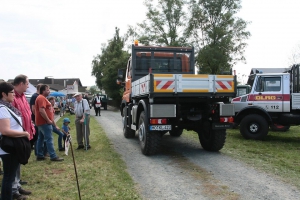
(211, 26)
(106, 65)
(93, 89)
(165, 24)
(217, 34)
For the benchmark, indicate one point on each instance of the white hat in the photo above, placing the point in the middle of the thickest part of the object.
(76, 94)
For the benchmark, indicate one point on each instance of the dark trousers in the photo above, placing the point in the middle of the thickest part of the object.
(10, 166)
(97, 110)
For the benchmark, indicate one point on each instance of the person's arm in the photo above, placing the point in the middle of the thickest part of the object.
(44, 115)
(86, 107)
(6, 130)
(54, 124)
(64, 132)
(33, 108)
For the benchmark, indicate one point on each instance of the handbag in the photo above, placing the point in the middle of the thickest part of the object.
(20, 146)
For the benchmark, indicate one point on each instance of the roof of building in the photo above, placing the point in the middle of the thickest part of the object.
(56, 83)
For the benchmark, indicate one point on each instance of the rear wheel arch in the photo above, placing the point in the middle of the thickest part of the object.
(253, 110)
(142, 106)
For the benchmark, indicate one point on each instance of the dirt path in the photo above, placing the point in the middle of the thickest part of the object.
(183, 170)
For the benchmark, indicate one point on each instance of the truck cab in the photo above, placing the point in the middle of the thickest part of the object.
(272, 101)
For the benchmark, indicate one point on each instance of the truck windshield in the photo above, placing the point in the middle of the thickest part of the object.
(163, 62)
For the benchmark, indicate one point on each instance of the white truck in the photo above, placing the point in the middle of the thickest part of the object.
(163, 94)
(274, 100)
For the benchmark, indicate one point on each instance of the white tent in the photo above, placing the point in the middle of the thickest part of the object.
(31, 89)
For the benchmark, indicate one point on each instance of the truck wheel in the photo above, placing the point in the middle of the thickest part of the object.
(211, 140)
(149, 141)
(278, 127)
(128, 132)
(254, 127)
(176, 132)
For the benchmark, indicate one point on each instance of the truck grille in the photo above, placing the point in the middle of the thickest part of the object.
(226, 109)
(295, 101)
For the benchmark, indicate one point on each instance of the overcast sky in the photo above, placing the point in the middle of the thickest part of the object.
(60, 38)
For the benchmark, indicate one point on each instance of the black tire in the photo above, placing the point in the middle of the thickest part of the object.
(211, 140)
(128, 132)
(278, 127)
(176, 132)
(149, 140)
(254, 127)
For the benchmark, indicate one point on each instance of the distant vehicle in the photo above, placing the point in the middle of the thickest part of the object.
(28, 97)
(274, 101)
(104, 101)
(242, 90)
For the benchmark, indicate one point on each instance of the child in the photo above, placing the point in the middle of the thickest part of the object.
(66, 128)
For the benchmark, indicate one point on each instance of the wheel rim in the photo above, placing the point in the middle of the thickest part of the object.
(253, 128)
(142, 132)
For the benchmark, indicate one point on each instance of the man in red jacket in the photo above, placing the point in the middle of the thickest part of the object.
(20, 102)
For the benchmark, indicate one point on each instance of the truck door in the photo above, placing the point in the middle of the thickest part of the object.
(268, 93)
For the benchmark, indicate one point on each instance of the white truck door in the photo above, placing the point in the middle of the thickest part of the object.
(268, 93)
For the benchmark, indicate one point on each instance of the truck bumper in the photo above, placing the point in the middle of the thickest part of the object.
(222, 125)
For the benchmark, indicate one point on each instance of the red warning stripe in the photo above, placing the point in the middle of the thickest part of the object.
(167, 85)
(222, 85)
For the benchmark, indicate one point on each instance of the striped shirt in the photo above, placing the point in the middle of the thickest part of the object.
(21, 103)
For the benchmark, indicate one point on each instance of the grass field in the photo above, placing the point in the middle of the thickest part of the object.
(101, 172)
(278, 154)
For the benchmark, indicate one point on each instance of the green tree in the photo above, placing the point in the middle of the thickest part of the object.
(93, 89)
(106, 65)
(218, 35)
(165, 24)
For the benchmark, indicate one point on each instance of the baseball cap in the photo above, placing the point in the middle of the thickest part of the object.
(76, 94)
(66, 120)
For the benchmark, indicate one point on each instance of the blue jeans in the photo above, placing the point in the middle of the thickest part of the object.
(60, 136)
(10, 165)
(45, 135)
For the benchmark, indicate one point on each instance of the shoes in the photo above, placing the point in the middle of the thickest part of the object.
(19, 196)
(25, 192)
(62, 149)
(40, 158)
(80, 147)
(56, 159)
(23, 182)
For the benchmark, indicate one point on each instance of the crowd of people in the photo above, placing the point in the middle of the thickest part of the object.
(35, 121)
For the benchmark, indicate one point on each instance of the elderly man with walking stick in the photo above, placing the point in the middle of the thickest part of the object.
(82, 121)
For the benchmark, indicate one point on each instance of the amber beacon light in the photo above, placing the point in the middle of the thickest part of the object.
(136, 43)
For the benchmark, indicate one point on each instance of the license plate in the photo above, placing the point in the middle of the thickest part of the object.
(222, 125)
(161, 128)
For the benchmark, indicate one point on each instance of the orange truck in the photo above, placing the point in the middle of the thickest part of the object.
(162, 94)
